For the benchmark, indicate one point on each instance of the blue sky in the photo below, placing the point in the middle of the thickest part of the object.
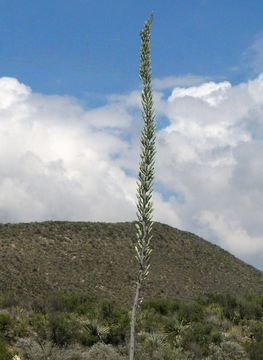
(70, 114)
(90, 48)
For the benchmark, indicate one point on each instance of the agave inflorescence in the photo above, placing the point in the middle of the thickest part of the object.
(145, 177)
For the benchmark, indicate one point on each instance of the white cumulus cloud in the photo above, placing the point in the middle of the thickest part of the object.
(56, 161)
(211, 154)
(210, 92)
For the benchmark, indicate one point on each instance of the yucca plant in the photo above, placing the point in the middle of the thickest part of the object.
(145, 177)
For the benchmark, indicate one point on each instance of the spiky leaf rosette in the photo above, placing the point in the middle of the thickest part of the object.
(146, 167)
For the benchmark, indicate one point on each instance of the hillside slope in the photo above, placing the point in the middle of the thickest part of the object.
(98, 259)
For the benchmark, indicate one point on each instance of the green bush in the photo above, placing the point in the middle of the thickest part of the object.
(250, 310)
(118, 321)
(61, 302)
(5, 353)
(88, 339)
(63, 329)
(40, 326)
(162, 306)
(255, 350)
(164, 353)
(102, 351)
(228, 302)
(149, 321)
(256, 329)
(93, 332)
(6, 326)
(174, 331)
(117, 334)
(88, 308)
(31, 350)
(216, 337)
(190, 312)
(199, 334)
(228, 350)
(112, 312)
(236, 309)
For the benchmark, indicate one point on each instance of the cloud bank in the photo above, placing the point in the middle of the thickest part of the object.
(62, 161)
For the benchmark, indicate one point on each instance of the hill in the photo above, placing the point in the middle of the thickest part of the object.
(97, 259)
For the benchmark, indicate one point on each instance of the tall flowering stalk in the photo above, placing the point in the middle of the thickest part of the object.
(145, 177)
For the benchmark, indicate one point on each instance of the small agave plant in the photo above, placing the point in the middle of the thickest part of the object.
(95, 328)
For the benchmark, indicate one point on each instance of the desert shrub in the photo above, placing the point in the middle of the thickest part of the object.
(112, 312)
(174, 330)
(88, 308)
(216, 336)
(233, 350)
(93, 332)
(20, 327)
(87, 339)
(178, 353)
(154, 343)
(117, 334)
(255, 346)
(197, 338)
(162, 306)
(63, 329)
(213, 314)
(6, 326)
(154, 354)
(228, 350)
(236, 309)
(226, 301)
(107, 310)
(38, 305)
(165, 353)
(250, 310)
(31, 350)
(229, 304)
(148, 320)
(255, 350)
(84, 309)
(40, 326)
(61, 302)
(256, 330)
(73, 353)
(101, 351)
(235, 333)
(190, 312)
(5, 353)
(118, 321)
(259, 300)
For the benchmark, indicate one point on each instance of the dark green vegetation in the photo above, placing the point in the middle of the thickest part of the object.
(65, 327)
(97, 259)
